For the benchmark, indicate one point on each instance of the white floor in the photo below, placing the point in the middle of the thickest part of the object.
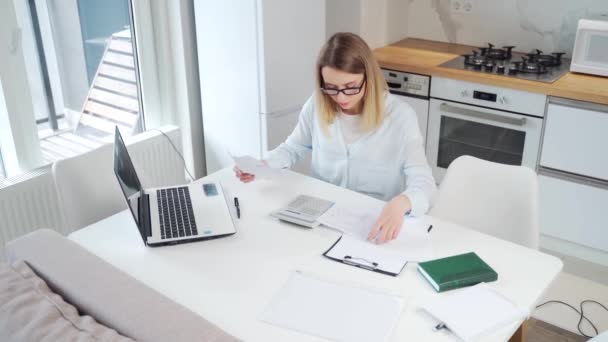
(573, 289)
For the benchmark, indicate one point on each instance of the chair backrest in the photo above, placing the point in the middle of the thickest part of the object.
(87, 188)
(497, 199)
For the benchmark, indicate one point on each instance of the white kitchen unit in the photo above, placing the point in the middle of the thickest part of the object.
(413, 89)
(492, 123)
(256, 65)
(573, 178)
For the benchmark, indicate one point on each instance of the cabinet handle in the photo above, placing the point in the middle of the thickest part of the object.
(482, 115)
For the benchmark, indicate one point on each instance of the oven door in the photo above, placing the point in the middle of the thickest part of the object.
(457, 129)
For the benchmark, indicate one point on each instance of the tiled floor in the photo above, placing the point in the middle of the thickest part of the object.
(539, 331)
(571, 289)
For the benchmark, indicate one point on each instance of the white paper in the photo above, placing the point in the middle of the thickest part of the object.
(474, 311)
(413, 243)
(333, 311)
(349, 221)
(365, 253)
(255, 167)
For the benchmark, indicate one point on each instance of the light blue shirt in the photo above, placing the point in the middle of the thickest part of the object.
(383, 163)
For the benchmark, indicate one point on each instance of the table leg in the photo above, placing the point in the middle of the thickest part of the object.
(520, 334)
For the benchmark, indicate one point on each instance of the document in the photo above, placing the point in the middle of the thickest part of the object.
(414, 240)
(474, 311)
(334, 311)
(255, 167)
(349, 221)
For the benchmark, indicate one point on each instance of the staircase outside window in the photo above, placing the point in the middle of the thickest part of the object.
(71, 74)
(112, 100)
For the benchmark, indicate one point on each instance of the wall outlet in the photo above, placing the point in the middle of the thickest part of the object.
(462, 6)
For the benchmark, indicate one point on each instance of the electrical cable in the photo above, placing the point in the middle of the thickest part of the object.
(581, 313)
(176, 151)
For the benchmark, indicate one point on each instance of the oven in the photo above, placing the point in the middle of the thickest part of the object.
(491, 123)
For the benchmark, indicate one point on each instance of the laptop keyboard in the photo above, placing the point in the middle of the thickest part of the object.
(175, 213)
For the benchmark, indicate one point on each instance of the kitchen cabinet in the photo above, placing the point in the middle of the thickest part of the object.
(573, 173)
(575, 139)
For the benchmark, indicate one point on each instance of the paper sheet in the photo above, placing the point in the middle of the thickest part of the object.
(349, 221)
(255, 167)
(414, 240)
(333, 311)
(474, 311)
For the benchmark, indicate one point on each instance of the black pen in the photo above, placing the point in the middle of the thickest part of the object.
(238, 208)
(429, 230)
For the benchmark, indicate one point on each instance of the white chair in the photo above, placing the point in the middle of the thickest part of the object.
(497, 199)
(87, 188)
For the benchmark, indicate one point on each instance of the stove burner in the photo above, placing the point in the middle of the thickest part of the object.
(535, 66)
(491, 53)
(553, 59)
(530, 66)
(475, 59)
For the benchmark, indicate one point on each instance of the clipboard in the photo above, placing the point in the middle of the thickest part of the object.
(362, 254)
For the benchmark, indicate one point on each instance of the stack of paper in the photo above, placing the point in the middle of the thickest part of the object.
(333, 311)
(475, 311)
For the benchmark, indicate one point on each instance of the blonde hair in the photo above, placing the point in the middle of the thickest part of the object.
(349, 53)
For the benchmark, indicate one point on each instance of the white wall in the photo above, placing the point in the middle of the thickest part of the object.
(378, 22)
(342, 16)
(549, 25)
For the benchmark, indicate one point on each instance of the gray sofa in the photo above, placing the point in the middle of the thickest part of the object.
(53, 289)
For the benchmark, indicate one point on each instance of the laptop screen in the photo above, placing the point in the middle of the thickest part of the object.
(127, 178)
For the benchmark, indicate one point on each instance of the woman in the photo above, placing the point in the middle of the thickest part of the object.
(361, 137)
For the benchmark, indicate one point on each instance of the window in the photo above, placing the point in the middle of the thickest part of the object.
(78, 75)
(2, 170)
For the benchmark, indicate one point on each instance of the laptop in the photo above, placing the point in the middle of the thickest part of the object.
(176, 214)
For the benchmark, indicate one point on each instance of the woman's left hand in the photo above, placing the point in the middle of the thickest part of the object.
(389, 222)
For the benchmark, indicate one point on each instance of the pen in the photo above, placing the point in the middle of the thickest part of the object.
(238, 208)
(429, 230)
(440, 326)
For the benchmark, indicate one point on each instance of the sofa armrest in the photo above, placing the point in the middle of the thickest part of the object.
(109, 295)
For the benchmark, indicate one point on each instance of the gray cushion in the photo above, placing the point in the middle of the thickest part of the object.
(30, 311)
(114, 298)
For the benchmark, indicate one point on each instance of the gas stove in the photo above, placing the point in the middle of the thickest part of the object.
(535, 66)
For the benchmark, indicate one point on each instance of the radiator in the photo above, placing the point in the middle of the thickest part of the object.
(30, 202)
(156, 160)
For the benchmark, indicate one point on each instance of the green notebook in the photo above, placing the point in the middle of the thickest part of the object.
(456, 271)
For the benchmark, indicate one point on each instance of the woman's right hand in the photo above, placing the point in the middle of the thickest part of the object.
(243, 176)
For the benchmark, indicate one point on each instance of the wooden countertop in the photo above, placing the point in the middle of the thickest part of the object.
(424, 57)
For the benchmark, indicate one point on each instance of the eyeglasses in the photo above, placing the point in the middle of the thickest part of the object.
(345, 91)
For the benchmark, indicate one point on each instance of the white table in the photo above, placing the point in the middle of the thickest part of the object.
(230, 280)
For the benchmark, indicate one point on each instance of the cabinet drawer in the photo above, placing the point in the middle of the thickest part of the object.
(573, 212)
(575, 140)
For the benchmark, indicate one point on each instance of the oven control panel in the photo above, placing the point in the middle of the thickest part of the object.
(406, 83)
(489, 96)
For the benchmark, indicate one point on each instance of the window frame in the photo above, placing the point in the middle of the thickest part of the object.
(164, 42)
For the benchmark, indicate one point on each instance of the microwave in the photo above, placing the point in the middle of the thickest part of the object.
(590, 54)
